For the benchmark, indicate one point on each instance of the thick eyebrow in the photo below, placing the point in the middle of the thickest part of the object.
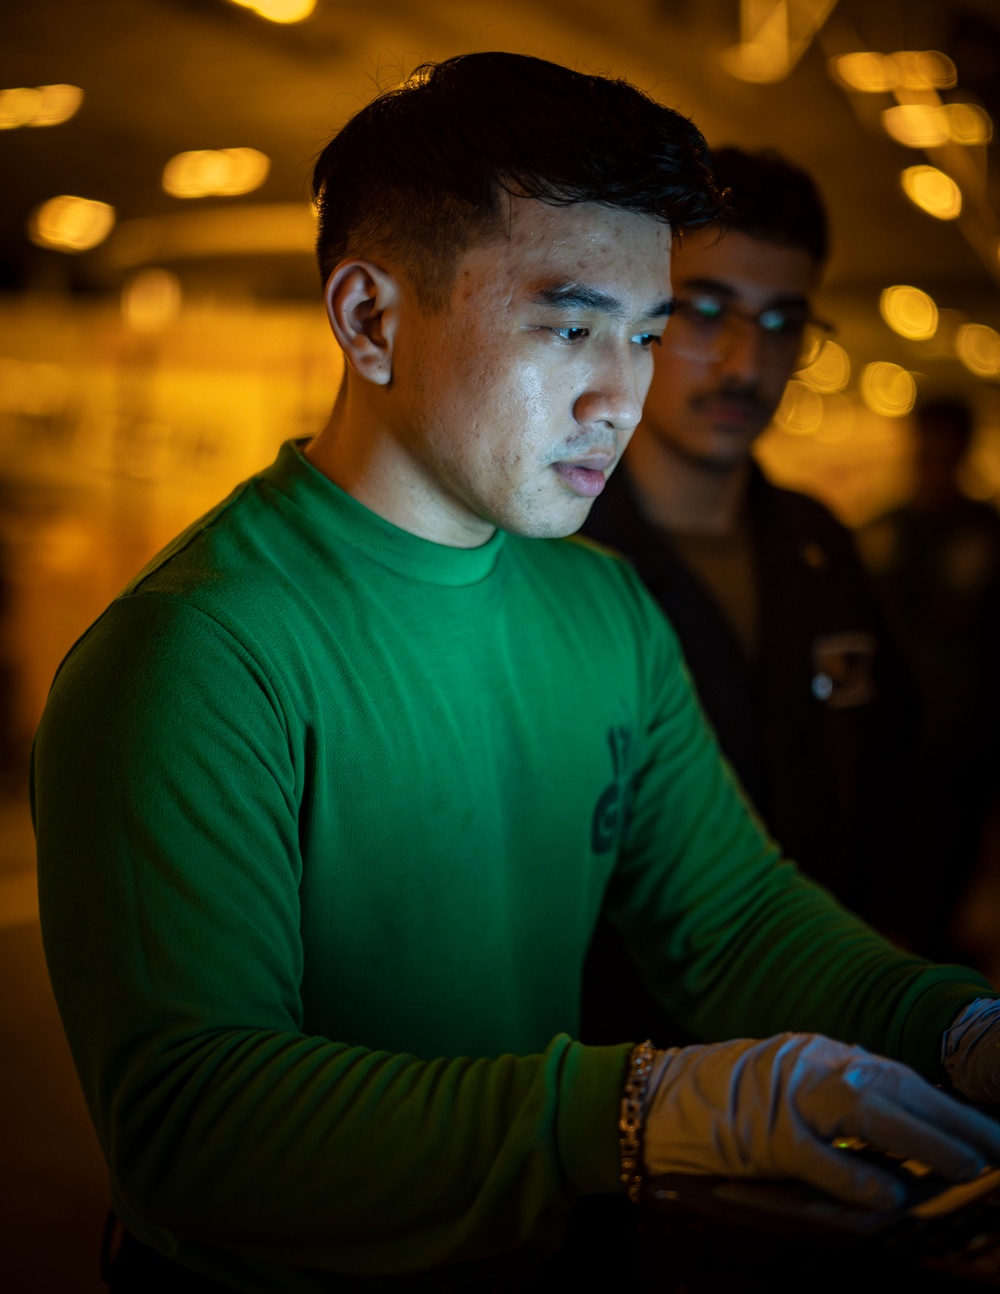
(582, 296)
(717, 289)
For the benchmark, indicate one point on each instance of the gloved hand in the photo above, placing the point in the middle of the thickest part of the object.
(970, 1051)
(773, 1108)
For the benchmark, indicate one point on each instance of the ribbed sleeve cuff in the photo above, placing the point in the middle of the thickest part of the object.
(929, 1009)
(591, 1084)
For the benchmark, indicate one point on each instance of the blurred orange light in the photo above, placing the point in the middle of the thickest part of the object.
(801, 410)
(223, 172)
(888, 389)
(46, 105)
(917, 125)
(280, 10)
(71, 224)
(933, 191)
(868, 72)
(978, 348)
(830, 371)
(151, 300)
(968, 123)
(910, 312)
(925, 69)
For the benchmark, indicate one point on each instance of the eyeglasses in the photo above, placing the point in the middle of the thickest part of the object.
(701, 327)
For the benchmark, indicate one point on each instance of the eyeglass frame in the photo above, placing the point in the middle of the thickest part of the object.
(729, 311)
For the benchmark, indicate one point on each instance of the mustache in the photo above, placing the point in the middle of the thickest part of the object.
(745, 399)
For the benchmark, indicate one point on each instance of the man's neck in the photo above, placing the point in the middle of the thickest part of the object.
(682, 494)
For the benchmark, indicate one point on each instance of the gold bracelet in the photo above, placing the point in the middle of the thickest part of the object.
(640, 1066)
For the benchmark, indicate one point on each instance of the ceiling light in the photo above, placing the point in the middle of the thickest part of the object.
(968, 123)
(888, 389)
(71, 224)
(830, 371)
(978, 348)
(279, 10)
(867, 72)
(910, 312)
(223, 172)
(917, 125)
(933, 191)
(45, 105)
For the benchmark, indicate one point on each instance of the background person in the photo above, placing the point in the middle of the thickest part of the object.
(780, 628)
(329, 800)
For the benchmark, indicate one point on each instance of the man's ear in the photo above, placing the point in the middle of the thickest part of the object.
(363, 304)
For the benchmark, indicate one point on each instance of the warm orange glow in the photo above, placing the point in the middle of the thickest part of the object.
(968, 123)
(925, 70)
(151, 300)
(888, 389)
(867, 72)
(774, 34)
(830, 371)
(48, 105)
(801, 410)
(222, 172)
(910, 312)
(933, 191)
(978, 348)
(917, 125)
(872, 73)
(280, 10)
(71, 224)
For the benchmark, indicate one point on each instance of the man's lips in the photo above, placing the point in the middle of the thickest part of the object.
(585, 476)
(740, 411)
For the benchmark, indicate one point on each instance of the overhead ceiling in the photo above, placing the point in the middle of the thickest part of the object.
(163, 76)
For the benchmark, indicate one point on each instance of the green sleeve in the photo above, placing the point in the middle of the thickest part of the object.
(733, 940)
(166, 783)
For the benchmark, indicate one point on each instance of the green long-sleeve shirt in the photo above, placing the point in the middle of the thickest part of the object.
(325, 815)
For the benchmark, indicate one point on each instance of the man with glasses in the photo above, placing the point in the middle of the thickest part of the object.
(763, 585)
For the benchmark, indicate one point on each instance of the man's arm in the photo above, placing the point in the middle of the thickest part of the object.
(166, 797)
(733, 941)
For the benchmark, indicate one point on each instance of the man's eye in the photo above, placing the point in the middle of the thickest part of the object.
(572, 334)
(647, 339)
(775, 321)
(703, 309)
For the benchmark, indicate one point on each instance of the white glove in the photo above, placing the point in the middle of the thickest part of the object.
(773, 1108)
(970, 1051)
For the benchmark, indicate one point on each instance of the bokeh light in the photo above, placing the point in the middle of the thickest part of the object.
(932, 191)
(917, 125)
(830, 371)
(151, 300)
(909, 312)
(968, 123)
(71, 224)
(888, 389)
(867, 72)
(45, 105)
(223, 172)
(872, 73)
(978, 347)
(279, 10)
(801, 410)
(926, 69)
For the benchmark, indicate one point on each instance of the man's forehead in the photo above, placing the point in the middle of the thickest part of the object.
(743, 265)
(580, 250)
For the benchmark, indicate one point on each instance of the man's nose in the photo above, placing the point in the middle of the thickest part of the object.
(615, 393)
(742, 350)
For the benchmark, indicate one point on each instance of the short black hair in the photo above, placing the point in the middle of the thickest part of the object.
(419, 173)
(774, 200)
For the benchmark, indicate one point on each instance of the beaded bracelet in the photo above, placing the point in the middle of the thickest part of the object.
(640, 1066)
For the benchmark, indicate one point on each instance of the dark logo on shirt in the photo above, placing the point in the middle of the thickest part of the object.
(609, 815)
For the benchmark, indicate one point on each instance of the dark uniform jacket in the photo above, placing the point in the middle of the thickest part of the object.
(817, 728)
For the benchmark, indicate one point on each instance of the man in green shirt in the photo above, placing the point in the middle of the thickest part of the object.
(329, 800)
